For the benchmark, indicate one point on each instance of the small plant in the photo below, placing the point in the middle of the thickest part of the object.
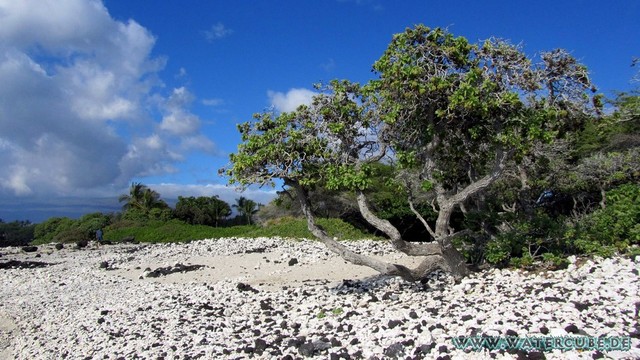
(335, 312)
(555, 260)
(633, 251)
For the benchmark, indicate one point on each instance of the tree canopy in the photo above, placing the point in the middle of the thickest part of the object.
(247, 208)
(202, 210)
(141, 197)
(446, 114)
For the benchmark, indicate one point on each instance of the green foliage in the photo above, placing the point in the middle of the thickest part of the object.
(171, 231)
(527, 241)
(143, 199)
(247, 208)
(45, 231)
(297, 229)
(341, 176)
(633, 251)
(135, 215)
(72, 235)
(556, 260)
(63, 229)
(91, 222)
(275, 147)
(160, 213)
(202, 210)
(498, 251)
(614, 227)
(542, 237)
(178, 231)
(16, 233)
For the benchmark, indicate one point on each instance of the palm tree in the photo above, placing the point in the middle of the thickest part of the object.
(142, 198)
(246, 208)
(151, 200)
(133, 200)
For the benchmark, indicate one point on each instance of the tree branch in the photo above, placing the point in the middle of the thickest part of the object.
(412, 249)
(338, 248)
(422, 220)
(475, 187)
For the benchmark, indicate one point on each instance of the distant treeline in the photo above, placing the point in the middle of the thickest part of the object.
(141, 206)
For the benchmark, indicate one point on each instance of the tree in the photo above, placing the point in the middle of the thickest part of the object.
(134, 198)
(202, 210)
(142, 198)
(247, 208)
(447, 114)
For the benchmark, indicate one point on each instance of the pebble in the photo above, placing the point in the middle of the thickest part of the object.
(77, 308)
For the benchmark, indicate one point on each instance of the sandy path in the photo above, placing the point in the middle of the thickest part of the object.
(270, 269)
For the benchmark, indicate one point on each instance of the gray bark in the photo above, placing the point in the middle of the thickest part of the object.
(341, 250)
(409, 248)
(440, 254)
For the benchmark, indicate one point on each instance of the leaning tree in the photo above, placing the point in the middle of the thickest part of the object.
(447, 114)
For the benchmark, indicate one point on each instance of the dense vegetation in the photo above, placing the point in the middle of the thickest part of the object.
(117, 229)
(16, 233)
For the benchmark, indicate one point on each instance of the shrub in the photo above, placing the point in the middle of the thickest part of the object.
(176, 230)
(603, 232)
(47, 230)
(527, 241)
(613, 228)
(72, 235)
(16, 233)
(296, 228)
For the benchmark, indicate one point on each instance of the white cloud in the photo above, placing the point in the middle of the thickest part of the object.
(291, 100)
(199, 142)
(78, 98)
(212, 102)
(182, 73)
(329, 66)
(225, 192)
(217, 31)
(177, 119)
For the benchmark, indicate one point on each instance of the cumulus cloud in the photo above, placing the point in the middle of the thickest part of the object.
(78, 100)
(286, 102)
(178, 120)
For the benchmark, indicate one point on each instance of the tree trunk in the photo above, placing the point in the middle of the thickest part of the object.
(412, 249)
(440, 254)
(341, 250)
(454, 260)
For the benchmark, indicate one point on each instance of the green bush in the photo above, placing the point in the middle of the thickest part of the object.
(176, 230)
(527, 241)
(555, 259)
(296, 228)
(603, 232)
(161, 231)
(63, 229)
(16, 233)
(72, 235)
(47, 230)
(613, 228)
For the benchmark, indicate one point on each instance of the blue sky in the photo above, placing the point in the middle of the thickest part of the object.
(97, 94)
